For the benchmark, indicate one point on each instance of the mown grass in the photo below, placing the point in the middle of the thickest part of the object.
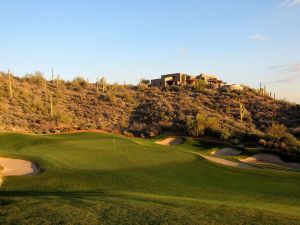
(92, 178)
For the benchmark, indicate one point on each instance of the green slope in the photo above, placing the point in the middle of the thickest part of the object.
(91, 178)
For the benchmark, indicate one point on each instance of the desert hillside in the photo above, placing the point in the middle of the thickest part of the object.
(40, 106)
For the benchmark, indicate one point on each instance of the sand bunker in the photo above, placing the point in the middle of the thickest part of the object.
(226, 162)
(270, 159)
(171, 141)
(228, 152)
(17, 167)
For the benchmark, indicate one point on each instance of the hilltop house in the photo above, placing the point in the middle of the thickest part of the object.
(211, 79)
(174, 79)
(182, 79)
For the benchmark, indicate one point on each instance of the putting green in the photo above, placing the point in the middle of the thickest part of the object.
(92, 178)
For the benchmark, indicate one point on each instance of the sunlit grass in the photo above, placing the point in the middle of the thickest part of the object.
(116, 180)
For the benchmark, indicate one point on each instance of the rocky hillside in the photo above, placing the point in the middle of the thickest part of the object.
(139, 109)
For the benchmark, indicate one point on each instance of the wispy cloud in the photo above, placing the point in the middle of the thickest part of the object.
(291, 71)
(291, 68)
(258, 37)
(182, 51)
(287, 79)
(289, 3)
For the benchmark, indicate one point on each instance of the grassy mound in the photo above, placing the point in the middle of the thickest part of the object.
(92, 178)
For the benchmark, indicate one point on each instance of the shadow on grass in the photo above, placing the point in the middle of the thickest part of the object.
(11, 197)
(205, 145)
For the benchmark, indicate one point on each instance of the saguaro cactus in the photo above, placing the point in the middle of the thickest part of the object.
(10, 85)
(46, 94)
(242, 111)
(97, 85)
(51, 105)
(260, 89)
(103, 84)
(57, 82)
(52, 72)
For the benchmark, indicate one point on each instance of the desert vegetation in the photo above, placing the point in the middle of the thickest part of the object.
(93, 178)
(33, 104)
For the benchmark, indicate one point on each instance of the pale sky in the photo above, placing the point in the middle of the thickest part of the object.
(241, 41)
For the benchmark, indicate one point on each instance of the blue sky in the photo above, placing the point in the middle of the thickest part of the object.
(242, 41)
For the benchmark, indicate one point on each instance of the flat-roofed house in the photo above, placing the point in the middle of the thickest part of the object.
(156, 83)
(183, 79)
(211, 79)
(173, 79)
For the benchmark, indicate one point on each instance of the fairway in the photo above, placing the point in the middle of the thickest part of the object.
(93, 178)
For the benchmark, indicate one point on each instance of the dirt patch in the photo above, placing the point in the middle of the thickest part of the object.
(228, 152)
(171, 141)
(270, 159)
(17, 167)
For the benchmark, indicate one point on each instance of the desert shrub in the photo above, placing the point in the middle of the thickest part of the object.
(174, 88)
(144, 81)
(110, 97)
(128, 134)
(200, 85)
(63, 118)
(277, 131)
(224, 134)
(196, 126)
(36, 78)
(127, 96)
(143, 86)
(151, 133)
(202, 124)
(262, 142)
(290, 141)
(279, 138)
(79, 82)
(213, 124)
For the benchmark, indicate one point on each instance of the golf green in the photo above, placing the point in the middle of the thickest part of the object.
(93, 178)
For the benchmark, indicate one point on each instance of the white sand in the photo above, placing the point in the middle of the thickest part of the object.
(17, 167)
(270, 159)
(226, 162)
(228, 152)
(171, 141)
